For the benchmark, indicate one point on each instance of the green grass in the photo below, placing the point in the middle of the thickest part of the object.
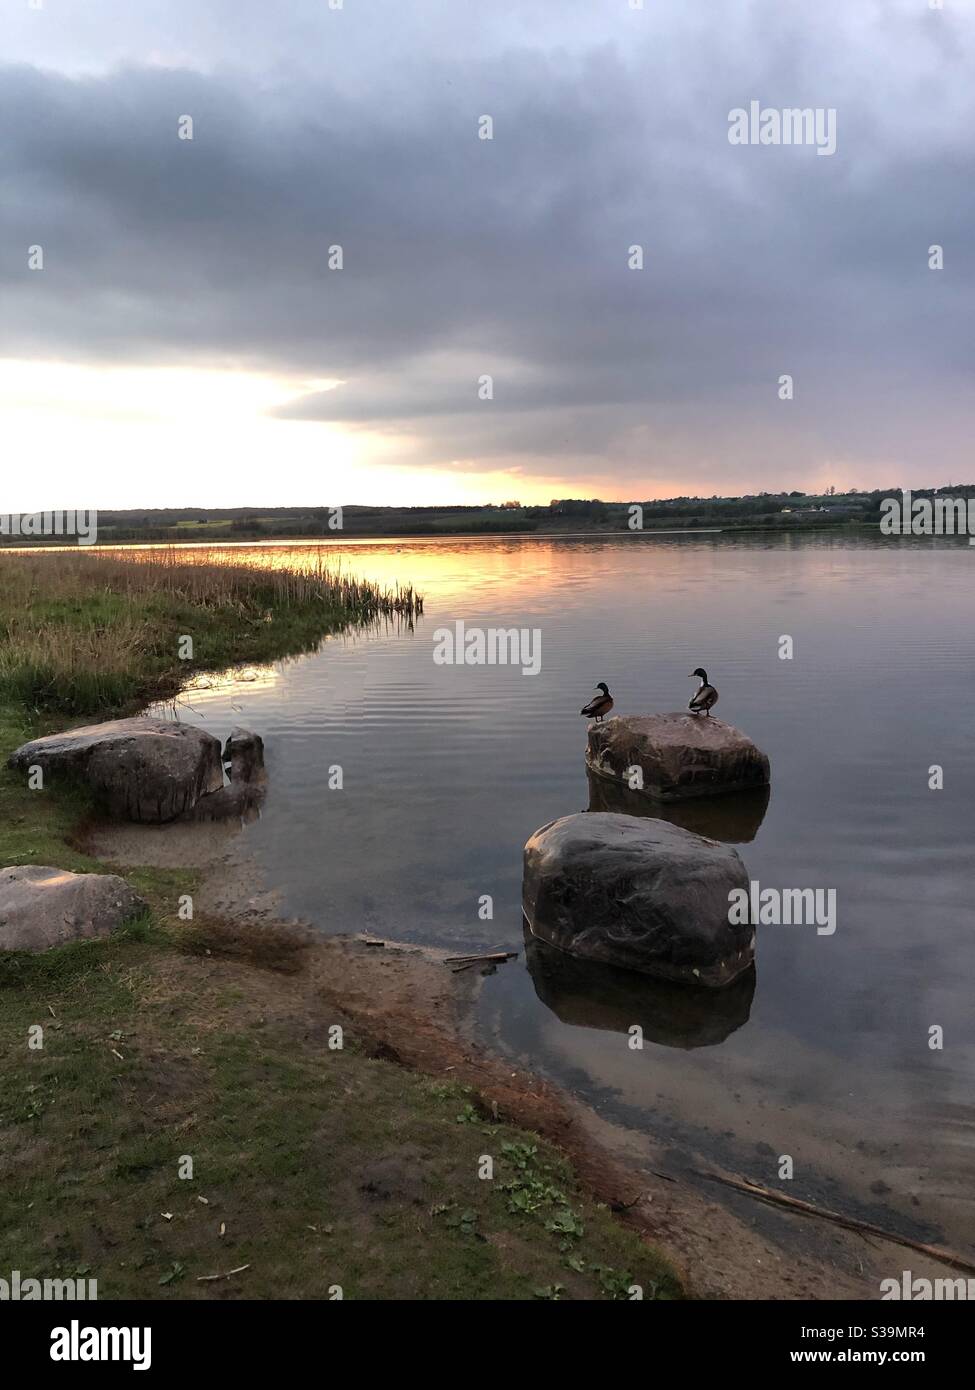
(325, 1167)
(84, 632)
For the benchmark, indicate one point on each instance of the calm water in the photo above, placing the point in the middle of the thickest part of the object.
(448, 770)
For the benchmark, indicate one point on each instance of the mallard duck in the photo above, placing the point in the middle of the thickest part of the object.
(601, 706)
(705, 697)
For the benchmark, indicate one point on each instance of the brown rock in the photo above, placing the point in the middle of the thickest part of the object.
(679, 755)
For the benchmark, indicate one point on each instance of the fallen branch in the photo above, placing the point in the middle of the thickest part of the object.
(850, 1223)
(474, 960)
(208, 1278)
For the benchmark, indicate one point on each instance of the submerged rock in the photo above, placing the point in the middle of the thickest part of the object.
(42, 907)
(140, 769)
(641, 894)
(678, 755)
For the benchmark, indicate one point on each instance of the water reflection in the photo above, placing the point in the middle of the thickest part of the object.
(590, 995)
(735, 819)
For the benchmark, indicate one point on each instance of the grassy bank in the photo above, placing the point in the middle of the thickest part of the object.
(93, 632)
(312, 1166)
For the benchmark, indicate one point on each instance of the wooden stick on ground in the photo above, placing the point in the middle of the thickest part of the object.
(473, 960)
(850, 1223)
(209, 1278)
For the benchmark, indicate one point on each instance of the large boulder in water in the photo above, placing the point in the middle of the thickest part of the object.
(42, 907)
(679, 755)
(140, 769)
(641, 894)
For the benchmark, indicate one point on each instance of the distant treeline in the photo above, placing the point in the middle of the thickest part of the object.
(781, 509)
(767, 510)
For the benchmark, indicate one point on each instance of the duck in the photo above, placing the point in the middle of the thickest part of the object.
(600, 706)
(705, 697)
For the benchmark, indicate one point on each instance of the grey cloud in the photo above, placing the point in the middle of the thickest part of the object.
(509, 257)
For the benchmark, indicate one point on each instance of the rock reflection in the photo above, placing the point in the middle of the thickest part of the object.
(734, 819)
(588, 995)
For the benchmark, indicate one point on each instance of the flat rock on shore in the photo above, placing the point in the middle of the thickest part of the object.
(150, 770)
(42, 907)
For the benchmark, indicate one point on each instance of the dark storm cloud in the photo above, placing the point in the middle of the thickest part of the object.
(508, 257)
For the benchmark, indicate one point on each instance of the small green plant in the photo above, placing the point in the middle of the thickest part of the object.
(174, 1274)
(565, 1223)
(617, 1284)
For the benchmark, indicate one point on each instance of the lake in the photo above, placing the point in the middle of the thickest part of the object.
(446, 771)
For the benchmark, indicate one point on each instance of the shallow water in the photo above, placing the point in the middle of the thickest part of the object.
(447, 770)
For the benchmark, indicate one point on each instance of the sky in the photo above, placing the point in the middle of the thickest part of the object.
(186, 337)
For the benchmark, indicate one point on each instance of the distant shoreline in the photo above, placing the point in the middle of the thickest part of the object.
(853, 512)
(341, 538)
